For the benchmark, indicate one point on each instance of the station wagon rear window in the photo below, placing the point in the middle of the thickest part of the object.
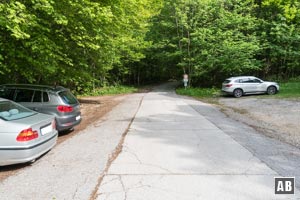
(68, 97)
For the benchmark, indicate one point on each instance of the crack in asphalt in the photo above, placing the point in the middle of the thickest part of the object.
(123, 187)
(114, 154)
(144, 164)
(131, 153)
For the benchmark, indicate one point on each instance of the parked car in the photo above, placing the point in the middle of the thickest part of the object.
(24, 134)
(241, 85)
(56, 100)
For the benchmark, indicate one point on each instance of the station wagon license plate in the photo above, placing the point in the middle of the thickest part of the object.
(47, 129)
(78, 117)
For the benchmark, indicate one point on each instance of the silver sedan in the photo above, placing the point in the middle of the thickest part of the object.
(24, 134)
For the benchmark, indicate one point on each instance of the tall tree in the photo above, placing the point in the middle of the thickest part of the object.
(279, 35)
(74, 43)
(207, 39)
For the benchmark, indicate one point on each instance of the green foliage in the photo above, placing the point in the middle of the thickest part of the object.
(88, 44)
(209, 40)
(225, 41)
(78, 44)
(111, 90)
(290, 89)
(278, 31)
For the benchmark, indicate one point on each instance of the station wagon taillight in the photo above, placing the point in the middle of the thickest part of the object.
(27, 135)
(63, 108)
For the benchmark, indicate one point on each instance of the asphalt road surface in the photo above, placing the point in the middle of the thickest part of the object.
(160, 146)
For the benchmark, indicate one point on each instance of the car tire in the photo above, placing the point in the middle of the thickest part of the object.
(271, 90)
(237, 93)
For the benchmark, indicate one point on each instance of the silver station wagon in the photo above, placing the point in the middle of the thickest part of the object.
(57, 101)
(242, 85)
(24, 134)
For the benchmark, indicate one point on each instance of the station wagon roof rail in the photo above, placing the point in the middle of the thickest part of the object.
(33, 86)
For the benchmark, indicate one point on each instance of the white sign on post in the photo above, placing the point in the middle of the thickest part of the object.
(185, 80)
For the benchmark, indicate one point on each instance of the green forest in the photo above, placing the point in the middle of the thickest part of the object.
(83, 44)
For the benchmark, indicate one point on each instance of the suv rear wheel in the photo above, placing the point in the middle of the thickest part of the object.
(238, 93)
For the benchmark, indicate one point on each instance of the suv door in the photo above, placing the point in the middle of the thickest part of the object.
(245, 85)
(261, 87)
(37, 101)
(253, 85)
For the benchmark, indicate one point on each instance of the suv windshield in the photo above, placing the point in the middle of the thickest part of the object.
(68, 97)
(12, 111)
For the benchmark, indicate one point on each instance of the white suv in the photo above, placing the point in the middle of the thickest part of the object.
(241, 85)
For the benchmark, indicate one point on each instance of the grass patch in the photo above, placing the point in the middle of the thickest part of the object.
(199, 92)
(111, 90)
(289, 90)
(208, 95)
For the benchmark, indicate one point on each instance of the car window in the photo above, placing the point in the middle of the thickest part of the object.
(37, 97)
(24, 95)
(226, 81)
(256, 80)
(68, 97)
(12, 111)
(7, 93)
(45, 97)
(245, 80)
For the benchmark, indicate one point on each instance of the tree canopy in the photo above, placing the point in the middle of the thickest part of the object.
(88, 43)
(214, 39)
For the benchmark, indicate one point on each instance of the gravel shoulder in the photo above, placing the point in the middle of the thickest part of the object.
(276, 118)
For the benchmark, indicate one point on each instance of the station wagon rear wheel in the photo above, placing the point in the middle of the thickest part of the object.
(271, 90)
(238, 93)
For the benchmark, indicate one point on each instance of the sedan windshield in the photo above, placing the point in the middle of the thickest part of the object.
(12, 111)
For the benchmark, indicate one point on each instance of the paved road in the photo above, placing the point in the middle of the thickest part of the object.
(174, 152)
(176, 148)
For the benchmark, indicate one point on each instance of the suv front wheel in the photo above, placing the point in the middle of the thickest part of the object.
(238, 93)
(271, 90)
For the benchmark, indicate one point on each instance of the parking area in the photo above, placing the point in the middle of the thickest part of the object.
(277, 118)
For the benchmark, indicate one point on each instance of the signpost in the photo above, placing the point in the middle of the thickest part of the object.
(185, 80)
